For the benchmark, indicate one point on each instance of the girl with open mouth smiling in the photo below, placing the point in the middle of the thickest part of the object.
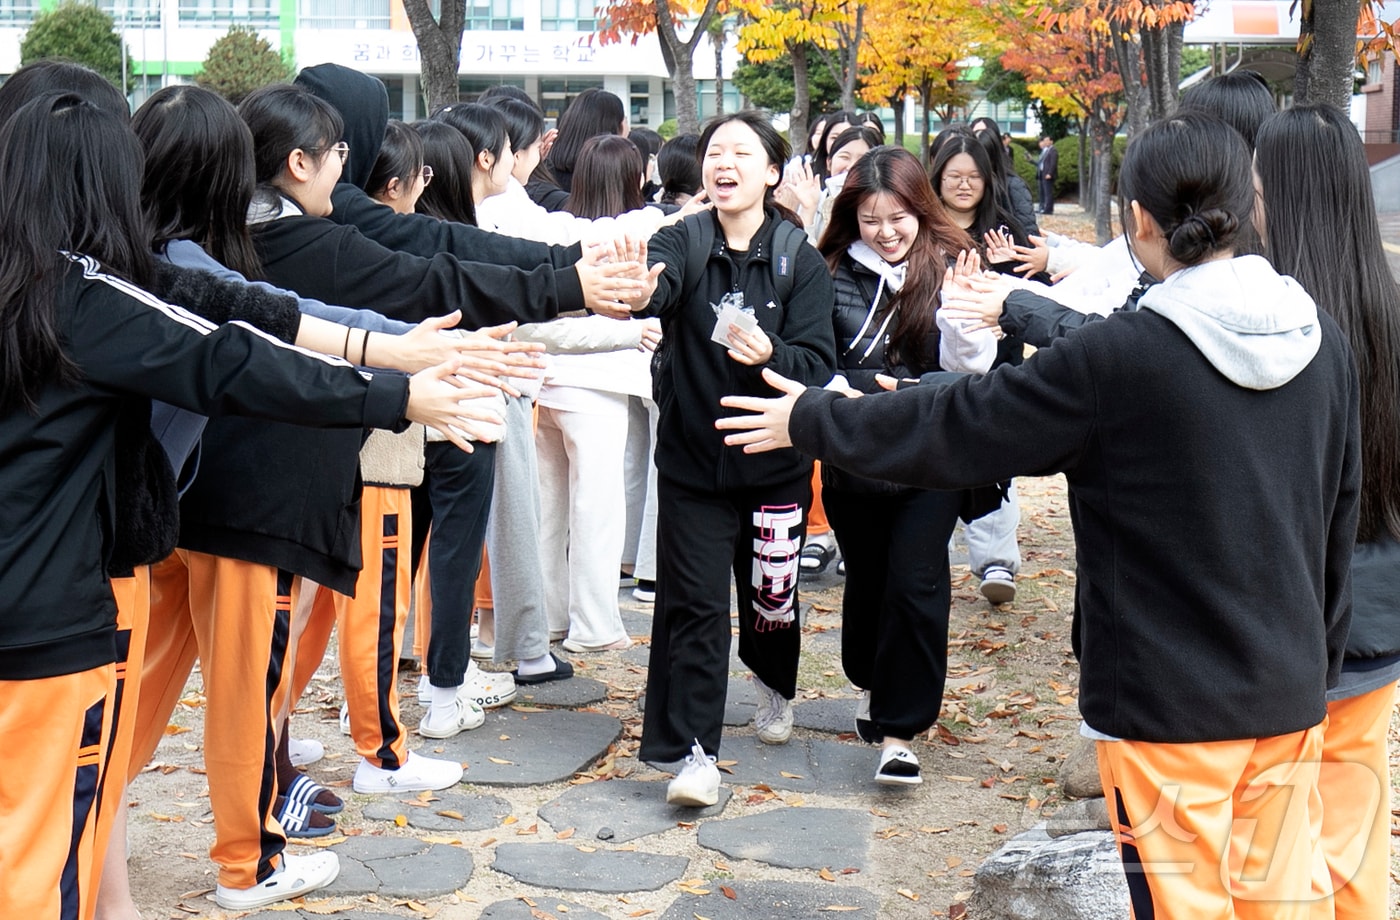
(741, 290)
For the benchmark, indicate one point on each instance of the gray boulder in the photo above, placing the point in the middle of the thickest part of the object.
(1035, 877)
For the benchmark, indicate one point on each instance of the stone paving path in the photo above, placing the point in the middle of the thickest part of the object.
(613, 832)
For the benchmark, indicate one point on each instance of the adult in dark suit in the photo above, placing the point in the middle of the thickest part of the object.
(1047, 168)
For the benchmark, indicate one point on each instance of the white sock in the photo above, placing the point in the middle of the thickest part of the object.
(540, 665)
(444, 702)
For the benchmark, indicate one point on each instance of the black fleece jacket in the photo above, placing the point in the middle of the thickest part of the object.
(58, 466)
(1213, 524)
(698, 372)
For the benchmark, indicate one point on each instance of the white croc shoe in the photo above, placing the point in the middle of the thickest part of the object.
(298, 875)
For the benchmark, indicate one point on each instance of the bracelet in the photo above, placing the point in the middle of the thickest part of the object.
(345, 349)
(364, 348)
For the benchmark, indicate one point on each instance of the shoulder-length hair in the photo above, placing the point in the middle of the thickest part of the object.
(285, 117)
(678, 164)
(198, 179)
(607, 178)
(897, 172)
(592, 112)
(1320, 227)
(69, 179)
(991, 209)
(450, 154)
(483, 126)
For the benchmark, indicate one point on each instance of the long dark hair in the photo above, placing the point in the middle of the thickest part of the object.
(835, 123)
(1191, 173)
(608, 178)
(773, 144)
(400, 157)
(524, 123)
(593, 111)
(991, 209)
(450, 154)
(43, 77)
(285, 117)
(1315, 178)
(1242, 99)
(898, 173)
(678, 163)
(483, 126)
(69, 175)
(198, 179)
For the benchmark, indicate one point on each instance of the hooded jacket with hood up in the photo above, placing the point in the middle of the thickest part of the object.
(1212, 445)
(363, 104)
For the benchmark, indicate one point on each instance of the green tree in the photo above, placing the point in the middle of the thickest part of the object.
(240, 62)
(77, 32)
(770, 85)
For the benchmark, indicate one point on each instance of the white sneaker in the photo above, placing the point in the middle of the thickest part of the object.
(488, 689)
(417, 774)
(304, 751)
(999, 585)
(697, 785)
(773, 719)
(483, 652)
(345, 719)
(464, 715)
(425, 691)
(298, 875)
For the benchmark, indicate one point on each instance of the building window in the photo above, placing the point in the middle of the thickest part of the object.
(639, 102)
(255, 14)
(469, 89)
(567, 16)
(705, 89)
(495, 16)
(339, 14)
(132, 12)
(18, 10)
(1375, 71)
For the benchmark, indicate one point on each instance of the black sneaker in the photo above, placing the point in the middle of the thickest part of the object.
(645, 591)
(898, 767)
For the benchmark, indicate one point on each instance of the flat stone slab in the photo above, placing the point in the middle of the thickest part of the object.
(795, 838)
(478, 812)
(825, 715)
(564, 866)
(774, 901)
(399, 867)
(637, 621)
(516, 909)
(538, 747)
(630, 808)
(577, 691)
(756, 762)
(849, 768)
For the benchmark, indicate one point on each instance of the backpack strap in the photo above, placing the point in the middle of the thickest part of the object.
(700, 240)
(788, 239)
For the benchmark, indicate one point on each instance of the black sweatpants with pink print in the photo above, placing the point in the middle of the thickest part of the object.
(702, 538)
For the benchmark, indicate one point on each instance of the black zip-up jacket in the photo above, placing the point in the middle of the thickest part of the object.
(1213, 524)
(700, 372)
(58, 466)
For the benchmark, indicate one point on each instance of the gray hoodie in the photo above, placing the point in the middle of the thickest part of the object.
(1257, 327)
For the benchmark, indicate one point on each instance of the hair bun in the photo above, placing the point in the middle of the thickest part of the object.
(1201, 234)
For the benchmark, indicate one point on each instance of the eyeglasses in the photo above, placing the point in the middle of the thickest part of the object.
(427, 174)
(958, 181)
(342, 148)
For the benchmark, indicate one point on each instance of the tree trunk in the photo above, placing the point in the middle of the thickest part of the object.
(897, 104)
(1327, 61)
(717, 33)
(925, 91)
(851, 62)
(680, 60)
(439, 48)
(1102, 142)
(1127, 55)
(798, 129)
(1083, 160)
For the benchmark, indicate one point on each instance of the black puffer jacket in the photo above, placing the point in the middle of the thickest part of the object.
(858, 319)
